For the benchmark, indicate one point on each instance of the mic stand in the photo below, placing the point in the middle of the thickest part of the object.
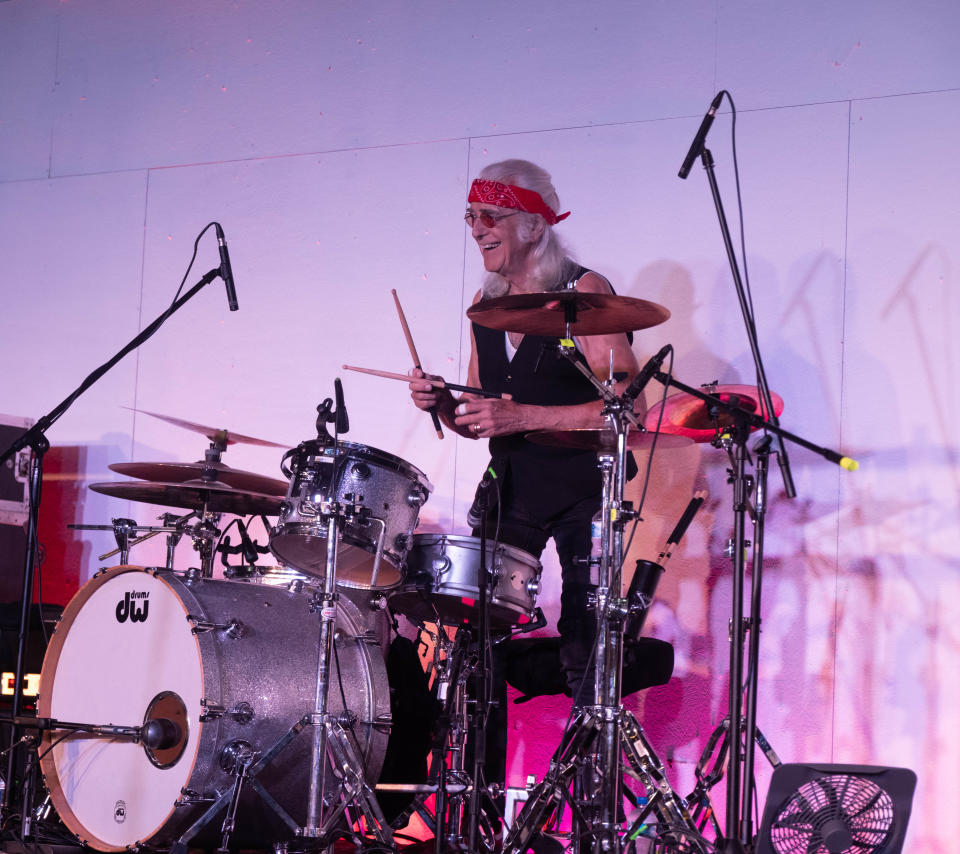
(481, 681)
(762, 454)
(742, 734)
(707, 159)
(35, 438)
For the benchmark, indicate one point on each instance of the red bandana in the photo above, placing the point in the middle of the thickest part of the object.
(511, 196)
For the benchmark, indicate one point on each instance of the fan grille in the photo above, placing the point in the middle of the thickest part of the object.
(831, 811)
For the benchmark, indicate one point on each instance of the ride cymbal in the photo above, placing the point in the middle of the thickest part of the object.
(194, 495)
(206, 472)
(686, 415)
(547, 313)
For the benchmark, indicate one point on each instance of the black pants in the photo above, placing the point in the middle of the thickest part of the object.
(577, 626)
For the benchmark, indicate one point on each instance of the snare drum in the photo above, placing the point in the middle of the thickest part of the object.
(383, 495)
(234, 667)
(441, 581)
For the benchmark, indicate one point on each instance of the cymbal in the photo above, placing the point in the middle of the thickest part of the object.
(214, 434)
(219, 472)
(600, 439)
(686, 415)
(214, 497)
(544, 313)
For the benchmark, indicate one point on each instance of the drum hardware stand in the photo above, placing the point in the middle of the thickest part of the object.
(35, 438)
(481, 676)
(717, 747)
(450, 740)
(450, 783)
(740, 731)
(739, 831)
(589, 756)
(173, 526)
(357, 800)
(329, 734)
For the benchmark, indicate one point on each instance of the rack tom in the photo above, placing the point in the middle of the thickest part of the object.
(380, 497)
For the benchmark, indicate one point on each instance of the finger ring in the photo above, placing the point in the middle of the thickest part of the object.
(476, 428)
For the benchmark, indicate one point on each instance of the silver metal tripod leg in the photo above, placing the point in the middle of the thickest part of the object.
(674, 823)
(549, 795)
(357, 800)
(354, 802)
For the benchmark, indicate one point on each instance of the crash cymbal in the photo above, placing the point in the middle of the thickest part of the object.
(196, 495)
(219, 435)
(546, 313)
(205, 472)
(686, 415)
(600, 439)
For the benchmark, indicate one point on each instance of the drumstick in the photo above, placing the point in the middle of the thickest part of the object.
(439, 383)
(415, 357)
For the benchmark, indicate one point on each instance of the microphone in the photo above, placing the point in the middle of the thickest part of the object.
(160, 733)
(342, 422)
(247, 546)
(226, 271)
(475, 514)
(696, 147)
(635, 389)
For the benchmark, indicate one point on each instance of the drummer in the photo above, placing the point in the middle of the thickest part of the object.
(544, 492)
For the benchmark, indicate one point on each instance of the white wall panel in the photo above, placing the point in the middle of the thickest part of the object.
(902, 361)
(175, 83)
(72, 253)
(772, 54)
(29, 38)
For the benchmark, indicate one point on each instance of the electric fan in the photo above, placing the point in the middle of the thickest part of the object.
(836, 809)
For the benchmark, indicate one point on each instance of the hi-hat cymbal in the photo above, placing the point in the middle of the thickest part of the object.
(205, 472)
(214, 434)
(546, 313)
(604, 440)
(196, 495)
(686, 415)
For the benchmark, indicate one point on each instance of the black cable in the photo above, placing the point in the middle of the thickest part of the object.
(736, 176)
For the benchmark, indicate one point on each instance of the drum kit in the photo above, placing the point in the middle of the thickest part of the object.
(251, 711)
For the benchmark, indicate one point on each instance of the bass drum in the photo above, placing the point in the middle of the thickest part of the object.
(231, 665)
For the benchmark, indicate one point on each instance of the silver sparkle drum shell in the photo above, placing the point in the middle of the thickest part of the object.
(441, 581)
(386, 493)
(129, 636)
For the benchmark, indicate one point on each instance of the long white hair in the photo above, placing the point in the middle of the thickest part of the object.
(553, 266)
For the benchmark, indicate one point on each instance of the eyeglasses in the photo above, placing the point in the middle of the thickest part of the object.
(487, 219)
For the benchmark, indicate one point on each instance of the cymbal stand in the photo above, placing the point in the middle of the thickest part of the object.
(599, 735)
(205, 534)
(173, 526)
(355, 801)
(178, 523)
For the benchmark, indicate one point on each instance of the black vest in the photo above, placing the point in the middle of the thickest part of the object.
(544, 480)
